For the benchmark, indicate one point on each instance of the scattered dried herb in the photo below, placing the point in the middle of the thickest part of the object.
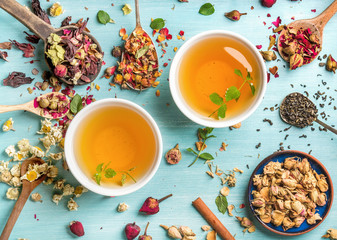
(298, 110)
(28, 49)
(32, 38)
(203, 134)
(16, 79)
(127, 9)
(66, 21)
(3, 56)
(207, 9)
(231, 93)
(268, 55)
(6, 45)
(173, 156)
(157, 24)
(104, 18)
(145, 236)
(37, 10)
(104, 171)
(234, 15)
(222, 203)
(117, 51)
(331, 64)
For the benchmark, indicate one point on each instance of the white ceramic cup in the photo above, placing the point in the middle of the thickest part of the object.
(192, 114)
(72, 161)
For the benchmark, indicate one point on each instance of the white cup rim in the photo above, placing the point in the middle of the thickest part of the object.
(183, 106)
(77, 172)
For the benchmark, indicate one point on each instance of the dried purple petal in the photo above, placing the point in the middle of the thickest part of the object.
(66, 21)
(32, 38)
(16, 79)
(39, 12)
(3, 55)
(28, 49)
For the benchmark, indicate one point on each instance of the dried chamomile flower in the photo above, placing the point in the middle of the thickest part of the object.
(46, 126)
(15, 182)
(36, 151)
(5, 176)
(24, 145)
(56, 10)
(224, 191)
(59, 184)
(20, 156)
(10, 151)
(331, 233)
(8, 125)
(12, 193)
(52, 171)
(186, 231)
(68, 190)
(230, 208)
(35, 171)
(56, 156)
(72, 205)
(57, 198)
(79, 190)
(205, 228)
(3, 166)
(48, 181)
(15, 170)
(122, 207)
(36, 197)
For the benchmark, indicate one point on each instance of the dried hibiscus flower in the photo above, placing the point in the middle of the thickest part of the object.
(16, 79)
(173, 156)
(151, 205)
(66, 21)
(331, 64)
(32, 38)
(28, 49)
(234, 15)
(39, 12)
(3, 56)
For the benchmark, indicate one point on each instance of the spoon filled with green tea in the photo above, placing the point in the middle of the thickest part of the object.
(300, 42)
(71, 53)
(299, 111)
(50, 105)
(139, 62)
(33, 171)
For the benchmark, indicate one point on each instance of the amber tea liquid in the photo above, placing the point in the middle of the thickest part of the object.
(119, 135)
(208, 67)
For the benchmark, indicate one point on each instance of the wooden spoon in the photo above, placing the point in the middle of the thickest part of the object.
(316, 26)
(137, 30)
(316, 120)
(27, 188)
(43, 31)
(29, 106)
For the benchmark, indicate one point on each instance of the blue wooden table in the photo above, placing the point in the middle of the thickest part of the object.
(97, 213)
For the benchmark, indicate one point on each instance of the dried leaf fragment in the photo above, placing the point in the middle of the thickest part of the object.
(211, 235)
(199, 145)
(206, 228)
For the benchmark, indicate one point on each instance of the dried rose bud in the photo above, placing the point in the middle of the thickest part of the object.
(245, 222)
(151, 205)
(110, 71)
(117, 51)
(258, 202)
(314, 39)
(290, 49)
(268, 55)
(234, 15)
(268, 3)
(60, 70)
(145, 236)
(76, 228)
(131, 231)
(331, 64)
(295, 61)
(173, 156)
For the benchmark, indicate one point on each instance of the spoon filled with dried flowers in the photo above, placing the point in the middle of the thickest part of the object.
(50, 105)
(298, 110)
(33, 172)
(139, 64)
(74, 55)
(300, 42)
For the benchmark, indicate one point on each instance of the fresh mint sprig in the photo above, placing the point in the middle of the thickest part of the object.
(232, 93)
(204, 134)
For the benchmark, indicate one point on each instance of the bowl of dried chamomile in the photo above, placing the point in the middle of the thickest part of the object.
(290, 193)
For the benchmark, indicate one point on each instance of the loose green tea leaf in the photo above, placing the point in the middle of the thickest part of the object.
(157, 24)
(232, 93)
(104, 18)
(215, 98)
(110, 173)
(76, 104)
(207, 9)
(222, 111)
(221, 203)
(206, 156)
(142, 51)
(99, 168)
(238, 72)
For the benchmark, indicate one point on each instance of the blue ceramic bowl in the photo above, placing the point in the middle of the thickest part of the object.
(318, 167)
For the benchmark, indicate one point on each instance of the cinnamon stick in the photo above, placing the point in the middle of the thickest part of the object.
(209, 216)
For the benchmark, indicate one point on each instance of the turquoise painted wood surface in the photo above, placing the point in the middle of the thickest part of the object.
(98, 214)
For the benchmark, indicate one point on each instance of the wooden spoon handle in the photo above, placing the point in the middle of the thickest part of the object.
(137, 14)
(11, 108)
(326, 126)
(321, 20)
(27, 18)
(15, 213)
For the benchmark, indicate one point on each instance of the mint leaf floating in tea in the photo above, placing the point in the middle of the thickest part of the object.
(104, 18)
(207, 9)
(151, 205)
(102, 170)
(203, 134)
(232, 93)
(221, 203)
(157, 24)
